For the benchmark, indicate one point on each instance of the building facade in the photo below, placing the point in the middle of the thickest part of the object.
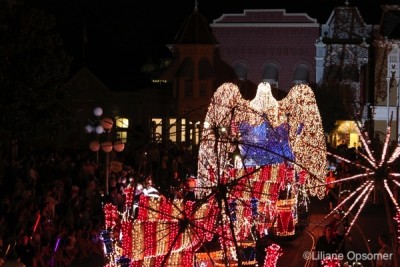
(274, 46)
(268, 45)
(343, 62)
(385, 110)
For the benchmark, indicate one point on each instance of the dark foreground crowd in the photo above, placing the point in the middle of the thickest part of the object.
(51, 202)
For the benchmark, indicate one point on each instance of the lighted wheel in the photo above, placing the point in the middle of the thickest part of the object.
(256, 160)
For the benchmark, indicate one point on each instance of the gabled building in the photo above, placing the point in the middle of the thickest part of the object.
(195, 73)
(343, 64)
(246, 49)
(387, 74)
(263, 45)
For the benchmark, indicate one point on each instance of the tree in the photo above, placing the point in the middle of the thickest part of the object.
(33, 68)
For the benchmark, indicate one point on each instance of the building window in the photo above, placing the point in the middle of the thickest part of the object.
(203, 89)
(156, 130)
(188, 88)
(183, 130)
(274, 85)
(122, 123)
(241, 71)
(122, 128)
(172, 130)
(197, 133)
(270, 73)
(122, 135)
(300, 75)
(177, 130)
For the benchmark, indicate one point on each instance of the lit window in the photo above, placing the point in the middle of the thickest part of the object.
(157, 129)
(172, 130)
(122, 122)
(123, 135)
(183, 130)
(197, 136)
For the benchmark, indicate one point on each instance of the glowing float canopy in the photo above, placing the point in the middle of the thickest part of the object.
(263, 131)
(284, 137)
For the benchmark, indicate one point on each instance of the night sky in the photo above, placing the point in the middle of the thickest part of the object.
(123, 35)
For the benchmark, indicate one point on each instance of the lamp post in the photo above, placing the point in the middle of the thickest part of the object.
(103, 128)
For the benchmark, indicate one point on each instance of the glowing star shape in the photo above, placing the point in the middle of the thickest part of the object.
(376, 174)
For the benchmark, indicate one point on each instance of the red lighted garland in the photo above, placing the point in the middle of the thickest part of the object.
(273, 252)
(110, 215)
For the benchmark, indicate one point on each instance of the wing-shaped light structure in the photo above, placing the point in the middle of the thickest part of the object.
(263, 131)
(217, 139)
(306, 136)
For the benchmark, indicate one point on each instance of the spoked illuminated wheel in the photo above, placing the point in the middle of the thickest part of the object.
(255, 159)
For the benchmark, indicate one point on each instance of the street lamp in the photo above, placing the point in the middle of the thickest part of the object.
(103, 128)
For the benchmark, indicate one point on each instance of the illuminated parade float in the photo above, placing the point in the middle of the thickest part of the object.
(258, 161)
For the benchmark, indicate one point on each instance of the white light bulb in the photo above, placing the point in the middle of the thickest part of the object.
(98, 111)
(99, 129)
(89, 128)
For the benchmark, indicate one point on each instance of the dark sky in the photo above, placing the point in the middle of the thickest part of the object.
(125, 34)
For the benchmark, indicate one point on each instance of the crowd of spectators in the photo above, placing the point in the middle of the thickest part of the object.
(51, 201)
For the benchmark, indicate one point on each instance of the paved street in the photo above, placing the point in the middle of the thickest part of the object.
(364, 234)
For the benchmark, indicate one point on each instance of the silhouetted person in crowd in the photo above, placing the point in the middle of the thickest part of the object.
(26, 251)
(385, 253)
(327, 244)
(74, 207)
(331, 189)
(342, 148)
(340, 226)
(13, 260)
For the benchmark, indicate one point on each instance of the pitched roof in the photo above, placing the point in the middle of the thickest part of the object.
(349, 23)
(195, 30)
